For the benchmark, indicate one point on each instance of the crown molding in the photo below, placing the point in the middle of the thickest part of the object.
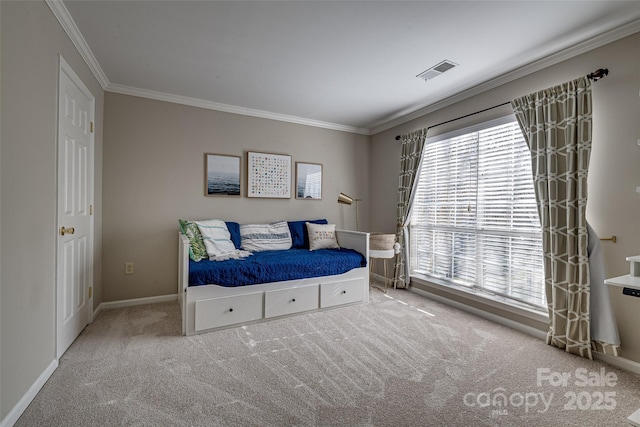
(568, 53)
(210, 105)
(62, 14)
(66, 21)
(64, 18)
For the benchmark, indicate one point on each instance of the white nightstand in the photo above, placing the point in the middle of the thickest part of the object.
(631, 280)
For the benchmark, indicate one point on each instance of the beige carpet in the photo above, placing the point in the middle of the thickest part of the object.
(401, 360)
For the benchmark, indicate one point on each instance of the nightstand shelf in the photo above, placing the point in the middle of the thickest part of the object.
(631, 280)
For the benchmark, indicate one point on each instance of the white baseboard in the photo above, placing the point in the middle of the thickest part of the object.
(481, 313)
(379, 277)
(97, 311)
(137, 301)
(618, 362)
(615, 361)
(15, 413)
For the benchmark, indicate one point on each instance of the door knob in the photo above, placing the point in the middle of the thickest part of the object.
(64, 230)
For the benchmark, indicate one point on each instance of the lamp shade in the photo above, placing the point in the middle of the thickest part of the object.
(344, 199)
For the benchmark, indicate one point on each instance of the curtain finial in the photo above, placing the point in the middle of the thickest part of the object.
(598, 74)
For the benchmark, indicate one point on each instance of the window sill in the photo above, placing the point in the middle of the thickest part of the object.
(493, 303)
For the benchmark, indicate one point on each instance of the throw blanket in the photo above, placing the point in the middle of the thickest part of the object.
(217, 240)
(275, 266)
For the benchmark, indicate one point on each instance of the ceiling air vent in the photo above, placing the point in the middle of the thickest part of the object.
(436, 70)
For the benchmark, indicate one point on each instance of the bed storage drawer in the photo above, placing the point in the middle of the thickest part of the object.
(288, 301)
(224, 311)
(343, 292)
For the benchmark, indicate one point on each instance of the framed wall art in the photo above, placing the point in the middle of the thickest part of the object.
(222, 175)
(268, 175)
(308, 181)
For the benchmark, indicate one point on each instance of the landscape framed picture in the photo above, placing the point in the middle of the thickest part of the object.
(308, 181)
(268, 175)
(222, 175)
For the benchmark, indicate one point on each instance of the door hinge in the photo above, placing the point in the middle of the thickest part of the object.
(91, 127)
(90, 209)
(90, 291)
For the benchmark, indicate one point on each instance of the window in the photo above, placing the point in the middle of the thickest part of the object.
(474, 221)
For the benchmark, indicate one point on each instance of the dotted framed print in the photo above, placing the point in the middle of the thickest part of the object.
(268, 175)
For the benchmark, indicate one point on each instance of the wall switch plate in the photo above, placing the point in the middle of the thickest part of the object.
(128, 268)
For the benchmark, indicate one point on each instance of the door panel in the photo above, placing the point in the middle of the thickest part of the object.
(75, 193)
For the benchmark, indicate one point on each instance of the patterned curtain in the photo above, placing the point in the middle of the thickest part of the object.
(556, 124)
(412, 146)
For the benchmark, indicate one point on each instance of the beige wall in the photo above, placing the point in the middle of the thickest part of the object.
(154, 174)
(614, 206)
(31, 41)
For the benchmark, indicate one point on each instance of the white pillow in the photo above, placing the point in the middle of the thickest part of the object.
(322, 236)
(265, 237)
(217, 240)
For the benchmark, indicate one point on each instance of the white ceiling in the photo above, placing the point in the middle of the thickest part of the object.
(348, 65)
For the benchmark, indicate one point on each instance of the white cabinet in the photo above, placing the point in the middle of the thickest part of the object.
(289, 301)
(342, 292)
(631, 280)
(225, 311)
(239, 305)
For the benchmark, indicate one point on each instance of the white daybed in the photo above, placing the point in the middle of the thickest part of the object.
(210, 307)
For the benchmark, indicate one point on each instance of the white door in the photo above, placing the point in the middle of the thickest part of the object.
(75, 199)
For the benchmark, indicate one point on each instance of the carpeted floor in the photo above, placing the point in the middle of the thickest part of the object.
(402, 360)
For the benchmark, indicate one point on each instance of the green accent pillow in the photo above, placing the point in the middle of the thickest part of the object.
(197, 250)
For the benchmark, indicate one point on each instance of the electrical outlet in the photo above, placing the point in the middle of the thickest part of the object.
(630, 291)
(128, 268)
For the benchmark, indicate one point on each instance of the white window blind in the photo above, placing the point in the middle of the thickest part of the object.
(474, 220)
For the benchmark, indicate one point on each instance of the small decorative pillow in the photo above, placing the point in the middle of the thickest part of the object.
(217, 240)
(299, 235)
(265, 237)
(234, 230)
(197, 250)
(322, 236)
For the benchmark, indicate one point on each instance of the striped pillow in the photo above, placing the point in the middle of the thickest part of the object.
(216, 237)
(265, 237)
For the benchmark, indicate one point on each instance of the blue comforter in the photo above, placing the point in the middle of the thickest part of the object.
(275, 266)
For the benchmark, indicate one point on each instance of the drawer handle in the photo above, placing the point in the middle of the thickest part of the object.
(230, 310)
(344, 292)
(293, 300)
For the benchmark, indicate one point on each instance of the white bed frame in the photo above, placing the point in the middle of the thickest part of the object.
(210, 307)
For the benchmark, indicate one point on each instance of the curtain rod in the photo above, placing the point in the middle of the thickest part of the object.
(595, 76)
(461, 117)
